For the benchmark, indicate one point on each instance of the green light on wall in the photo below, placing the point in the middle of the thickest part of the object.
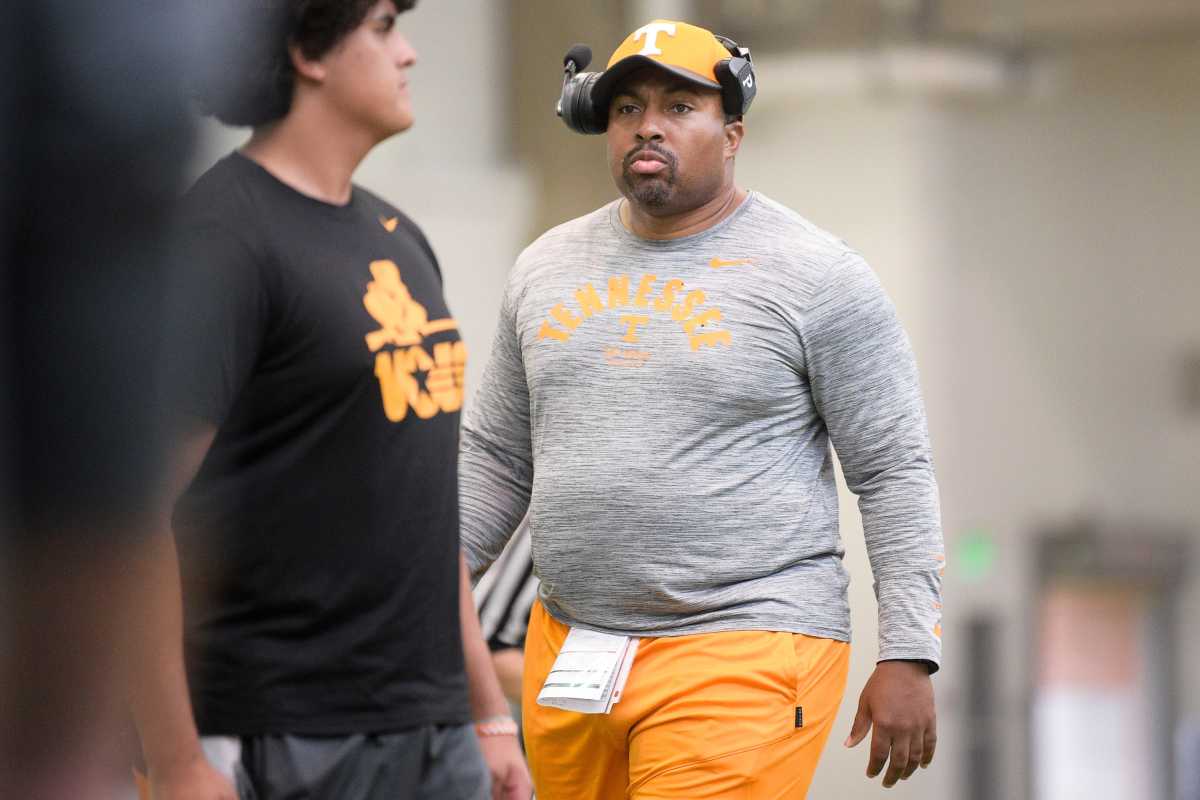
(975, 555)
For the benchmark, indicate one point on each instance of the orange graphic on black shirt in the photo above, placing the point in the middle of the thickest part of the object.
(404, 324)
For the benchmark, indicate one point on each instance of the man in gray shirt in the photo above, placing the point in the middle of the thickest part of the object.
(667, 379)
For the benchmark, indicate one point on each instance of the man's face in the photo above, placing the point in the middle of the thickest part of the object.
(667, 142)
(367, 74)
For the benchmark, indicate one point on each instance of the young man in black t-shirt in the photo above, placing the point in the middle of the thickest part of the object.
(319, 377)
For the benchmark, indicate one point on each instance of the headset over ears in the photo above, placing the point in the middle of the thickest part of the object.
(575, 105)
(579, 111)
(736, 76)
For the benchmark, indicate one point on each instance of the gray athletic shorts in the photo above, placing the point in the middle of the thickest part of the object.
(428, 763)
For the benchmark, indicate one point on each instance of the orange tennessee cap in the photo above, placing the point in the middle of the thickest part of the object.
(685, 50)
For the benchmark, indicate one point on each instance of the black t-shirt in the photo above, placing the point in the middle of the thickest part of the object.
(319, 541)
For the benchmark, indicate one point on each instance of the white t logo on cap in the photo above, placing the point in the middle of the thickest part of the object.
(650, 33)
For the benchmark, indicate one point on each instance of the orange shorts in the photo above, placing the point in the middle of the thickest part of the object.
(702, 717)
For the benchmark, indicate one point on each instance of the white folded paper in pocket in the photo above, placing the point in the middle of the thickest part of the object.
(590, 672)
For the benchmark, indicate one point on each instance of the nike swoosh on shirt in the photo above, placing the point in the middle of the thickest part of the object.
(717, 263)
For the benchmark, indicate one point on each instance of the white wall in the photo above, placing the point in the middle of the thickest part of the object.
(1043, 256)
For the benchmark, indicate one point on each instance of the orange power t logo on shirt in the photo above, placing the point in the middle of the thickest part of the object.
(404, 324)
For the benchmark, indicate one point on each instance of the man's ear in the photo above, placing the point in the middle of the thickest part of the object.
(306, 68)
(734, 131)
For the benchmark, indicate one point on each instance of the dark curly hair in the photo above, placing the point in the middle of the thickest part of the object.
(248, 78)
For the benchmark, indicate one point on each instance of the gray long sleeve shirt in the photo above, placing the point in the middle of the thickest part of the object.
(664, 410)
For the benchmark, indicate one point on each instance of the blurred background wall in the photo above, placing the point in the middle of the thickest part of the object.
(1025, 178)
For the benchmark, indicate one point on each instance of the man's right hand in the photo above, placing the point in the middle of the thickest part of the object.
(195, 780)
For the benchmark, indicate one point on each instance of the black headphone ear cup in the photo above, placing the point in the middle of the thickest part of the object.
(747, 80)
(566, 103)
(591, 119)
(576, 106)
(738, 85)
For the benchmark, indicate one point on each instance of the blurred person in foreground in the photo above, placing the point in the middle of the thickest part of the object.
(667, 377)
(330, 646)
(94, 139)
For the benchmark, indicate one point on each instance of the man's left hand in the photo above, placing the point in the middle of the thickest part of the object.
(898, 702)
(510, 776)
